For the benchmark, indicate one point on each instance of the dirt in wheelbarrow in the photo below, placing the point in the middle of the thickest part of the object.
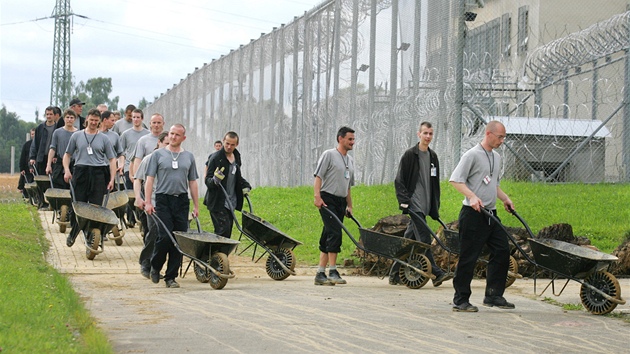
(396, 225)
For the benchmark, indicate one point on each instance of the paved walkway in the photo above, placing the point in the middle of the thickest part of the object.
(254, 314)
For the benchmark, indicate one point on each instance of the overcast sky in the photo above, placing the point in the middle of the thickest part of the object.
(145, 46)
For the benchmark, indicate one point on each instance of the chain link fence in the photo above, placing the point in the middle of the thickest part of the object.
(554, 72)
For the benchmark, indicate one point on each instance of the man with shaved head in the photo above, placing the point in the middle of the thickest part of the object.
(477, 177)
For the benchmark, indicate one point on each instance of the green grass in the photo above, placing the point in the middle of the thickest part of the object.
(39, 310)
(597, 211)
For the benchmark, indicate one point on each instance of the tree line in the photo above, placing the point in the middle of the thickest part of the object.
(13, 130)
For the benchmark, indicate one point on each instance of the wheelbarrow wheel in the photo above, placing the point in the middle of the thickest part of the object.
(116, 233)
(219, 261)
(201, 273)
(93, 240)
(514, 269)
(411, 278)
(274, 270)
(594, 302)
(63, 218)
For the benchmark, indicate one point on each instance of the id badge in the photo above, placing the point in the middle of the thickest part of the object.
(433, 171)
(234, 170)
(347, 174)
(89, 150)
(486, 179)
(174, 165)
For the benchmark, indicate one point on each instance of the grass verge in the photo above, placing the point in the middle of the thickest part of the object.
(39, 311)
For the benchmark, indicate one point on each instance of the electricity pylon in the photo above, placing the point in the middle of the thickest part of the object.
(61, 81)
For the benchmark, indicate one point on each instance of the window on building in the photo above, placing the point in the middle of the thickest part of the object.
(523, 24)
(506, 34)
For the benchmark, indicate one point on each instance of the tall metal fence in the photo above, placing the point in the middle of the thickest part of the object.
(554, 72)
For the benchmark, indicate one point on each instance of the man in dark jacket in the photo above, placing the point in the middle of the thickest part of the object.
(418, 189)
(224, 170)
(25, 174)
(38, 154)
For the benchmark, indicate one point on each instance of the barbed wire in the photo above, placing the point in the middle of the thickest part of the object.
(598, 41)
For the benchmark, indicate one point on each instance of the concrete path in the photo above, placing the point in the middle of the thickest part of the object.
(254, 313)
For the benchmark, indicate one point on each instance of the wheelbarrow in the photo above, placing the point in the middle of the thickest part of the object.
(117, 202)
(60, 201)
(451, 245)
(281, 261)
(94, 222)
(208, 252)
(31, 190)
(43, 183)
(415, 269)
(600, 292)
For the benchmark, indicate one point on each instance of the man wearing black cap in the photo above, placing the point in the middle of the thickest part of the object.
(77, 106)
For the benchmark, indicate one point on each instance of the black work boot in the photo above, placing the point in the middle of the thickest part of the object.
(322, 279)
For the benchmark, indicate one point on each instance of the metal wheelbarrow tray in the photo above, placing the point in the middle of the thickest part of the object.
(117, 202)
(208, 252)
(43, 183)
(281, 261)
(415, 270)
(95, 221)
(600, 291)
(60, 202)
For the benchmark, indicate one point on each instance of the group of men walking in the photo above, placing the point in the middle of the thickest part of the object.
(417, 186)
(163, 174)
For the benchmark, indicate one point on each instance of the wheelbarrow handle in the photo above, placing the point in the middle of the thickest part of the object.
(489, 214)
(35, 173)
(51, 181)
(522, 221)
(344, 226)
(426, 226)
(249, 203)
(198, 224)
(351, 216)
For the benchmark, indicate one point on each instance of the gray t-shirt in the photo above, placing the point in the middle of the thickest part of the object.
(474, 166)
(421, 198)
(128, 141)
(172, 181)
(121, 126)
(141, 174)
(231, 185)
(114, 138)
(336, 172)
(145, 146)
(59, 142)
(102, 150)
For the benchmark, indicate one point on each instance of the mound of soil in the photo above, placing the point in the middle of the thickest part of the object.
(622, 267)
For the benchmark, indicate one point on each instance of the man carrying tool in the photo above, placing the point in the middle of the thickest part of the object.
(417, 186)
(94, 165)
(476, 176)
(334, 175)
(224, 170)
(174, 173)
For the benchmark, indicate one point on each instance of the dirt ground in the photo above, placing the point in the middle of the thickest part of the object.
(8, 185)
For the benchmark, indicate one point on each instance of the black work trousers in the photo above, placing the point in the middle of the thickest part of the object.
(330, 240)
(222, 221)
(173, 211)
(475, 231)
